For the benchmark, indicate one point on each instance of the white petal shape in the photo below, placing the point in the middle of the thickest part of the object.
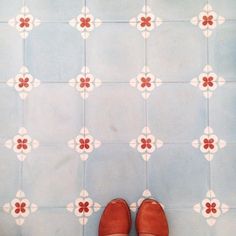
(207, 94)
(97, 143)
(20, 221)
(208, 130)
(35, 144)
(33, 207)
(133, 143)
(209, 157)
(71, 143)
(207, 33)
(159, 143)
(22, 131)
(25, 9)
(207, 68)
(197, 208)
(97, 22)
(12, 22)
(21, 157)
(211, 221)
(207, 8)
(70, 207)
(83, 220)
(7, 207)
(222, 143)
(158, 21)
(145, 95)
(145, 69)
(210, 194)
(146, 130)
(146, 156)
(84, 193)
(8, 143)
(11, 82)
(195, 143)
(37, 22)
(96, 207)
(224, 208)
(20, 194)
(36, 83)
(132, 82)
(24, 35)
(72, 22)
(221, 81)
(23, 95)
(194, 82)
(145, 34)
(221, 20)
(148, 9)
(85, 10)
(194, 20)
(85, 35)
(133, 206)
(133, 22)
(84, 157)
(146, 193)
(84, 130)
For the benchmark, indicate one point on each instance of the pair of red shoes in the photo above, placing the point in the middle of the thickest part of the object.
(150, 219)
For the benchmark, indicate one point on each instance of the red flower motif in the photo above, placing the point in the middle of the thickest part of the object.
(146, 143)
(208, 143)
(145, 82)
(146, 21)
(24, 22)
(207, 20)
(22, 143)
(84, 143)
(85, 22)
(83, 207)
(84, 82)
(20, 207)
(211, 208)
(208, 81)
(23, 82)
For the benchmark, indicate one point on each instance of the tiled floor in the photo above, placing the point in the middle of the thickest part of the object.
(129, 98)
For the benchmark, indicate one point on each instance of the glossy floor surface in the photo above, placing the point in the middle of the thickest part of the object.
(120, 98)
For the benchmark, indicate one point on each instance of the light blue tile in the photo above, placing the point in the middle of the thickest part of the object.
(183, 222)
(226, 8)
(115, 52)
(222, 50)
(225, 225)
(115, 170)
(54, 52)
(11, 117)
(54, 113)
(175, 10)
(115, 113)
(177, 112)
(52, 222)
(176, 51)
(113, 10)
(178, 175)
(9, 9)
(223, 112)
(52, 176)
(10, 172)
(223, 175)
(50, 10)
(8, 225)
(11, 51)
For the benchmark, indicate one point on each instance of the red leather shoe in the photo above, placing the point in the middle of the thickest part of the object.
(151, 219)
(116, 218)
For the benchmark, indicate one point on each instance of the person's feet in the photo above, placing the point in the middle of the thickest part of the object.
(116, 219)
(151, 219)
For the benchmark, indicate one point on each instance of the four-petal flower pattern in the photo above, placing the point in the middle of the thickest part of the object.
(85, 82)
(83, 207)
(207, 20)
(146, 143)
(145, 21)
(23, 82)
(20, 207)
(24, 22)
(145, 82)
(22, 144)
(207, 81)
(85, 22)
(84, 143)
(209, 143)
(211, 208)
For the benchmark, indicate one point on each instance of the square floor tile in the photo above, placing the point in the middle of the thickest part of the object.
(177, 112)
(52, 176)
(226, 8)
(174, 175)
(122, 10)
(8, 225)
(9, 9)
(225, 225)
(223, 175)
(186, 222)
(176, 51)
(115, 113)
(222, 50)
(52, 222)
(54, 52)
(11, 118)
(115, 170)
(115, 52)
(50, 10)
(10, 174)
(176, 10)
(11, 51)
(54, 113)
(223, 112)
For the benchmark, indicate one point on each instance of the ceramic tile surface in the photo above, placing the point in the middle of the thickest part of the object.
(104, 99)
